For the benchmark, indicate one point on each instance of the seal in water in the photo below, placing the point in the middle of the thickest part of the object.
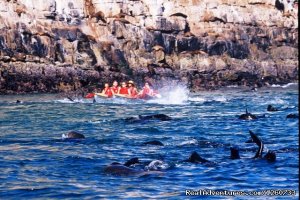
(270, 156)
(196, 158)
(292, 116)
(247, 116)
(72, 135)
(234, 153)
(160, 117)
(132, 161)
(270, 108)
(119, 169)
(154, 142)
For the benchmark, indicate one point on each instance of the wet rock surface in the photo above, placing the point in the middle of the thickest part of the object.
(61, 46)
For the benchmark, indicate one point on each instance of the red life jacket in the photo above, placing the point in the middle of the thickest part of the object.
(124, 90)
(89, 95)
(133, 91)
(147, 91)
(115, 89)
(108, 92)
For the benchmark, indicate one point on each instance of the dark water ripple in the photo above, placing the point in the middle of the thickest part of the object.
(35, 162)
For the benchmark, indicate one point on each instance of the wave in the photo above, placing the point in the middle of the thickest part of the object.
(276, 101)
(285, 85)
(197, 99)
(220, 99)
(191, 142)
(77, 100)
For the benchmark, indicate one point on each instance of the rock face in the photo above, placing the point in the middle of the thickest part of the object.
(55, 46)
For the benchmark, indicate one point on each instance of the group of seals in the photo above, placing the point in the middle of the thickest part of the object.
(249, 116)
(128, 168)
(270, 156)
(271, 108)
(153, 167)
(140, 118)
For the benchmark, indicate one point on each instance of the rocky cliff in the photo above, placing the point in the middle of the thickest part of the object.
(54, 46)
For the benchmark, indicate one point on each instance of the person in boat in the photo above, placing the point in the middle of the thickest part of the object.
(132, 90)
(115, 87)
(147, 92)
(124, 91)
(107, 91)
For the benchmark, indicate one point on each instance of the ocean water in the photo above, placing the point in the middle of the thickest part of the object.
(35, 163)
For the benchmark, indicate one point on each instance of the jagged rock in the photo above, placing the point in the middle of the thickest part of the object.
(205, 44)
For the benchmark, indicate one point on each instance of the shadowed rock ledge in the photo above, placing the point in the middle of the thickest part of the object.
(60, 46)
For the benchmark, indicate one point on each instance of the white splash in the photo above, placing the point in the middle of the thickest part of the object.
(157, 165)
(65, 100)
(220, 99)
(189, 142)
(175, 95)
(276, 101)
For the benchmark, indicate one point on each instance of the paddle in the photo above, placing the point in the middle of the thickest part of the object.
(101, 95)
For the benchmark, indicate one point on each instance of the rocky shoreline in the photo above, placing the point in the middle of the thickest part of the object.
(39, 78)
(79, 45)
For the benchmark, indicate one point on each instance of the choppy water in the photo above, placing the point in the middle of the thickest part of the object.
(36, 163)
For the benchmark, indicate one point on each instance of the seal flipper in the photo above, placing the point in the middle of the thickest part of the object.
(132, 161)
(70, 98)
(259, 143)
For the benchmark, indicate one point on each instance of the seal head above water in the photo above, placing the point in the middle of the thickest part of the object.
(72, 135)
